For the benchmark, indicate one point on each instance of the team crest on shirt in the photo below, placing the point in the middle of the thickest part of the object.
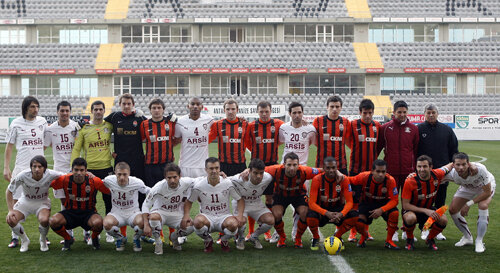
(87, 189)
(73, 133)
(341, 127)
(304, 134)
(72, 196)
(205, 126)
(338, 188)
(224, 192)
(407, 130)
(273, 129)
(134, 123)
(374, 128)
(435, 183)
(383, 190)
(167, 127)
(106, 130)
(424, 135)
(258, 140)
(395, 191)
(240, 130)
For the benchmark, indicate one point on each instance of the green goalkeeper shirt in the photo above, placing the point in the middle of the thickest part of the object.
(95, 141)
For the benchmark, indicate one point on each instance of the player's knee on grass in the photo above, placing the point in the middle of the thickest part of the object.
(154, 217)
(302, 211)
(410, 218)
(95, 223)
(200, 221)
(267, 218)
(57, 221)
(230, 223)
(138, 221)
(109, 222)
(11, 220)
(483, 205)
(43, 220)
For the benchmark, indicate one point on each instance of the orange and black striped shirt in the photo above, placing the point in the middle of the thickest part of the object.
(331, 139)
(159, 144)
(385, 192)
(363, 144)
(230, 139)
(79, 196)
(263, 140)
(290, 186)
(422, 193)
(328, 194)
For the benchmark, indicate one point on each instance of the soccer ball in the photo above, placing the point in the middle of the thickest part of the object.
(333, 245)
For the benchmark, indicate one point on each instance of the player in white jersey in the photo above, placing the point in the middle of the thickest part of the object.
(474, 189)
(251, 189)
(193, 129)
(164, 205)
(26, 134)
(296, 136)
(213, 193)
(35, 200)
(125, 210)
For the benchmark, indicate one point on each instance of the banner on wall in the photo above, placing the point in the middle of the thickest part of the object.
(446, 119)
(246, 111)
(477, 127)
(310, 118)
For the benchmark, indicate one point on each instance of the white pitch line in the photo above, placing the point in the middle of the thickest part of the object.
(338, 261)
(483, 159)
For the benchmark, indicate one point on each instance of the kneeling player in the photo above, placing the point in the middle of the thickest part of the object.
(164, 205)
(474, 189)
(35, 200)
(213, 193)
(125, 209)
(379, 197)
(80, 191)
(330, 201)
(251, 191)
(419, 192)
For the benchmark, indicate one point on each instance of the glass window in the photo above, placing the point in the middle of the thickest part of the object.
(4, 86)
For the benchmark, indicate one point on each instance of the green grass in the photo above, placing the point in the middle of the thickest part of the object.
(374, 258)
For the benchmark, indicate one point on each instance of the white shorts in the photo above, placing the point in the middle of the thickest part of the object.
(216, 222)
(170, 220)
(125, 219)
(469, 194)
(19, 191)
(254, 210)
(28, 207)
(193, 172)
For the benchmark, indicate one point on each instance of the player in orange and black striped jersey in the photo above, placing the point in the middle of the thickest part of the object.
(230, 133)
(379, 197)
(80, 191)
(289, 179)
(330, 201)
(333, 134)
(419, 192)
(158, 131)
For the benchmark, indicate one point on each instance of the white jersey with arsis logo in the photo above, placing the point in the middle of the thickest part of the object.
(163, 198)
(214, 200)
(297, 140)
(473, 182)
(125, 198)
(28, 137)
(32, 189)
(249, 192)
(62, 140)
(194, 145)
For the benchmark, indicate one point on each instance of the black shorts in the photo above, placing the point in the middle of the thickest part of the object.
(295, 201)
(421, 217)
(365, 208)
(77, 218)
(323, 220)
(270, 188)
(102, 173)
(232, 169)
(154, 173)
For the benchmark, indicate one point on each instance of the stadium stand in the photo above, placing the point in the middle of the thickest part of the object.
(52, 9)
(432, 8)
(48, 104)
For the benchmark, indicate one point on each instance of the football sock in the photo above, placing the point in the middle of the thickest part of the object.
(185, 232)
(251, 225)
(43, 232)
(156, 228)
(280, 228)
(301, 228)
(138, 232)
(123, 231)
(241, 232)
(296, 219)
(313, 224)
(263, 228)
(361, 226)
(18, 230)
(435, 230)
(63, 233)
(409, 230)
(95, 234)
(392, 225)
(346, 225)
(482, 224)
(70, 231)
(461, 224)
(14, 235)
(228, 234)
(203, 233)
(115, 232)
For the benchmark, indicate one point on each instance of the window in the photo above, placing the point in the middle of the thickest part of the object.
(4, 86)
(157, 85)
(60, 86)
(156, 34)
(326, 84)
(319, 33)
(418, 84)
(237, 34)
(12, 35)
(79, 34)
(470, 32)
(403, 33)
(263, 85)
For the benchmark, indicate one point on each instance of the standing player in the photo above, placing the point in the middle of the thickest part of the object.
(193, 129)
(363, 145)
(330, 201)
(399, 140)
(26, 133)
(289, 179)
(333, 132)
(230, 133)
(125, 212)
(95, 139)
(164, 205)
(213, 193)
(418, 196)
(297, 136)
(35, 200)
(379, 197)
(251, 191)
(474, 189)
(439, 142)
(263, 142)
(80, 191)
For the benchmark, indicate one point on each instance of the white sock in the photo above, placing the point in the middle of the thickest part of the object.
(115, 232)
(14, 235)
(43, 232)
(241, 232)
(138, 232)
(156, 228)
(18, 230)
(263, 228)
(228, 234)
(482, 224)
(185, 232)
(461, 224)
(203, 233)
